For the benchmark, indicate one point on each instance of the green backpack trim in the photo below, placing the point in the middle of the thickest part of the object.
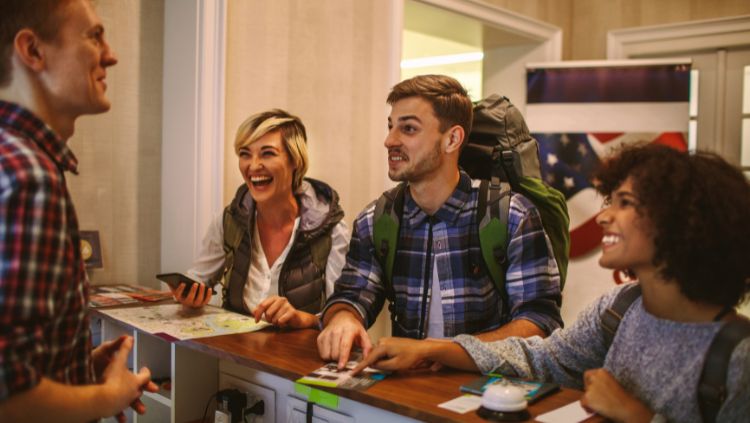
(493, 207)
(385, 229)
(553, 210)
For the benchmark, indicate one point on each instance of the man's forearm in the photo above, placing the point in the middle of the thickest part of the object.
(341, 307)
(53, 401)
(520, 327)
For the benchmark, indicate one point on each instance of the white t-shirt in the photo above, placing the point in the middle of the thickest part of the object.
(435, 323)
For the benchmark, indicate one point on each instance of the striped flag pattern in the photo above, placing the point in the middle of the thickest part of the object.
(580, 113)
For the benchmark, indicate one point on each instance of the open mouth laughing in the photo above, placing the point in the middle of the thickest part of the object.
(260, 181)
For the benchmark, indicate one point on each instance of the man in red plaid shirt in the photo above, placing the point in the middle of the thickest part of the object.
(53, 61)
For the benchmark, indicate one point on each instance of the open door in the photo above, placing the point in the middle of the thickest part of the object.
(484, 47)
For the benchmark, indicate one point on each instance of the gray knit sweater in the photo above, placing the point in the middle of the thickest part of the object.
(658, 361)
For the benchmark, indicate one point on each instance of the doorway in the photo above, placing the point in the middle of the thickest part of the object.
(484, 47)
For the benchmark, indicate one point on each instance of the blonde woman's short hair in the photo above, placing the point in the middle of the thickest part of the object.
(293, 135)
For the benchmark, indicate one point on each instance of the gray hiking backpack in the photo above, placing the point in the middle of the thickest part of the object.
(500, 151)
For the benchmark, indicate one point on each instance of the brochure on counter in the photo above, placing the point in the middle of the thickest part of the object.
(122, 294)
(330, 376)
(175, 322)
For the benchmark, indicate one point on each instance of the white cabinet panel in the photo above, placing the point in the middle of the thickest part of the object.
(296, 412)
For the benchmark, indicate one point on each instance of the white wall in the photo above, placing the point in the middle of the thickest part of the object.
(331, 63)
(118, 191)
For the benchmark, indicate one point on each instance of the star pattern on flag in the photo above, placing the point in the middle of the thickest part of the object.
(569, 161)
(551, 160)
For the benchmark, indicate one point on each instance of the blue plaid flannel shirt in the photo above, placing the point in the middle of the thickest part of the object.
(470, 301)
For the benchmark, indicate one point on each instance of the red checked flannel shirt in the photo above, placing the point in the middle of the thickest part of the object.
(44, 324)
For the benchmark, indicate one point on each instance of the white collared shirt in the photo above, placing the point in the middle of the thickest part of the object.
(262, 280)
(210, 260)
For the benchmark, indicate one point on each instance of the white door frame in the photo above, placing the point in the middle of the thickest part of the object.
(548, 35)
(680, 37)
(505, 68)
(192, 126)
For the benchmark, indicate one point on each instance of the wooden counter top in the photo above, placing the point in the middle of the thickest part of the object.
(293, 354)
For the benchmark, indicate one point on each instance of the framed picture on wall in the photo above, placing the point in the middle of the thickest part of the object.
(91, 250)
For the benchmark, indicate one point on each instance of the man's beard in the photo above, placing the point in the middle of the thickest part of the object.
(431, 162)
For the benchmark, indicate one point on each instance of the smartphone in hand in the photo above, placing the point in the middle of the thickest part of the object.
(175, 279)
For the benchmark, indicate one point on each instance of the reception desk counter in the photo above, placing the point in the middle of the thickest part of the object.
(265, 364)
(415, 395)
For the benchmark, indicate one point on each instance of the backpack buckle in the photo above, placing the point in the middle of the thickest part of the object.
(507, 158)
(384, 249)
(497, 152)
(500, 257)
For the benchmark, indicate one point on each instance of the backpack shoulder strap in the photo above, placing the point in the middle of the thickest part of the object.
(712, 390)
(611, 317)
(386, 222)
(493, 206)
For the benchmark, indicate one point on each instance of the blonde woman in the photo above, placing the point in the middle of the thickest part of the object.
(281, 243)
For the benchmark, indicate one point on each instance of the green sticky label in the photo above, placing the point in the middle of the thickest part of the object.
(317, 396)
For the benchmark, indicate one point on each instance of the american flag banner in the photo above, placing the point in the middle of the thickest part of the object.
(582, 111)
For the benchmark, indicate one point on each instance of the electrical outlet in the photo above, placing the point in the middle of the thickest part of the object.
(254, 393)
(222, 417)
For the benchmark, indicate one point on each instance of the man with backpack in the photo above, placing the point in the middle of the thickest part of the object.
(436, 276)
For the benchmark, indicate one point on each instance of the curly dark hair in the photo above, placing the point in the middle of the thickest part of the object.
(699, 208)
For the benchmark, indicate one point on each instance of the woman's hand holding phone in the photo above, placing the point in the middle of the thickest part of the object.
(187, 291)
(196, 296)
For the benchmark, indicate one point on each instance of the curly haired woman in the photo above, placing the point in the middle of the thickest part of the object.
(680, 224)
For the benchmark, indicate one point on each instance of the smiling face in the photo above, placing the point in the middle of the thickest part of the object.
(267, 168)
(627, 242)
(76, 62)
(414, 141)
